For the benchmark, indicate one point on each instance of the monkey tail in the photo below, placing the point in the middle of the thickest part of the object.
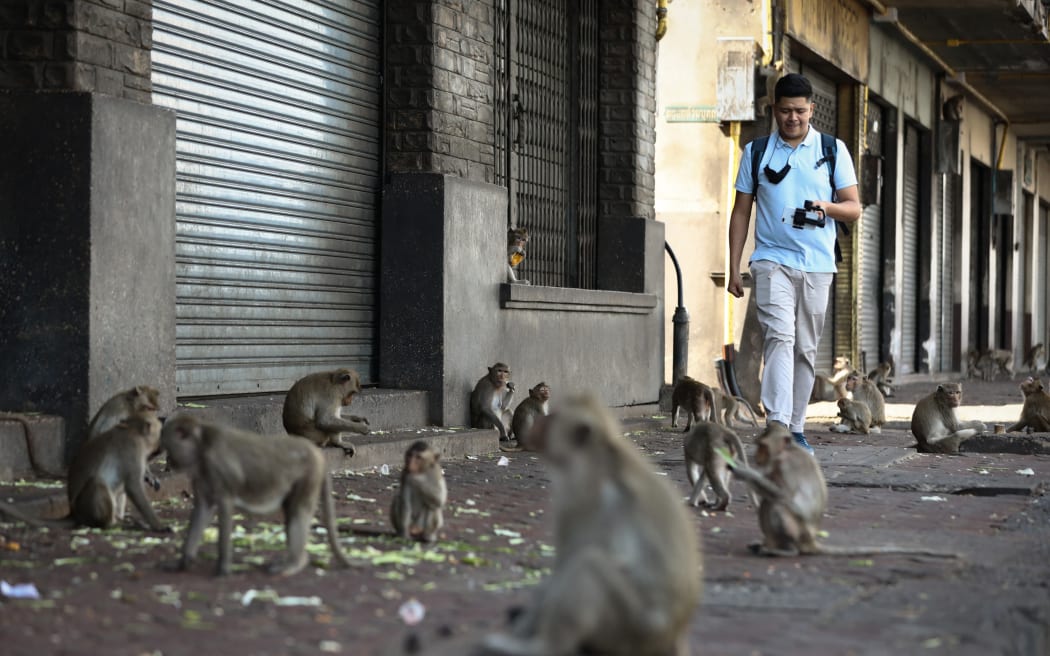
(328, 515)
(739, 446)
(30, 448)
(836, 550)
(750, 410)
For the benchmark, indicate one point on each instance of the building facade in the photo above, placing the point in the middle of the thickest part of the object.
(947, 257)
(217, 198)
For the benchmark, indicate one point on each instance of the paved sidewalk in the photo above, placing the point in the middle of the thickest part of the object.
(105, 592)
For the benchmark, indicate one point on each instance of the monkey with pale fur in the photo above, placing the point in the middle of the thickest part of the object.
(627, 571)
(416, 509)
(935, 424)
(312, 408)
(233, 470)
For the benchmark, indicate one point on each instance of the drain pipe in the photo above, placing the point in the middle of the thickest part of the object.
(680, 339)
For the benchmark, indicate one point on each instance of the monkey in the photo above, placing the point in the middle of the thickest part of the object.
(986, 364)
(517, 238)
(490, 401)
(952, 109)
(856, 417)
(416, 509)
(311, 408)
(1032, 358)
(702, 460)
(972, 358)
(1003, 361)
(1035, 414)
(733, 408)
(696, 398)
(137, 400)
(794, 496)
(831, 388)
(528, 411)
(27, 432)
(880, 376)
(106, 471)
(935, 424)
(627, 572)
(868, 393)
(232, 469)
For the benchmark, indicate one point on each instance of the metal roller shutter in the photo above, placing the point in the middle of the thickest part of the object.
(278, 144)
(869, 246)
(910, 253)
(1042, 276)
(949, 190)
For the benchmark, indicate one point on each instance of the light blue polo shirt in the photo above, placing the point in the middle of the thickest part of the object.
(809, 249)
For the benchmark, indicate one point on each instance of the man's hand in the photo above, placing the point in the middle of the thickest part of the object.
(735, 285)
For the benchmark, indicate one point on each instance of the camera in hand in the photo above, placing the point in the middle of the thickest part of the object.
(808, 216)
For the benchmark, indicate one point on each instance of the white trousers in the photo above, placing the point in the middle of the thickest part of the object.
(791, 308)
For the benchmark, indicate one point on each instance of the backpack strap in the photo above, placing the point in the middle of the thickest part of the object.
(758, 151)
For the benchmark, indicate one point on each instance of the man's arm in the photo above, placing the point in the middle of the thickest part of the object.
(847, 209)
(739, 223)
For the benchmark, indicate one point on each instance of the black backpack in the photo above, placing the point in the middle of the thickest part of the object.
(829, 146)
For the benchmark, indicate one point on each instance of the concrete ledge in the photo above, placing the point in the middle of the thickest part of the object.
(1008, 443)
(564, 299)
(48, 435)
(386, 409)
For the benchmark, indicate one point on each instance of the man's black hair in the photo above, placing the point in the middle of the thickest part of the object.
(793, 85)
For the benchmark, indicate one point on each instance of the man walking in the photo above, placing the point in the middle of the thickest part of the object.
(803, 183)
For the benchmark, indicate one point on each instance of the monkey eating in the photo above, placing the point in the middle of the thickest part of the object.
(702, 460)
(528, 411)
(794, 496)
(312, 406)
(867, 392)
(233, 470)
(517, 238)
(106, 471)
(855, 416)
(831, 388)
(627, 571)
(416, 509)
(935, 424)
(880, 376)
(490, 401)
(140, 399)
(696, 398)
(1035, 413)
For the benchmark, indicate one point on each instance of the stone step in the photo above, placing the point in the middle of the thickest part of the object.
(48, 436)
(372, 452)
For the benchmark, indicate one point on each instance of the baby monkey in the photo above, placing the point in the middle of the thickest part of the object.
(416, 509)
(702, 460)
(855, 416)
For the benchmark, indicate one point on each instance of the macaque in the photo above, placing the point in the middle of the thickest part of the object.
(703, 461)
(106, 471)
(627, 572)
(516, 240)
(232, 470)
(528, 411)
(1035, 414)
(416, 509)
(880, 376)
(1031, 360)
(831, 388)
(312, 406)
(988, 363)
(490, 401)
(855, 416)
(935, 424)
(696, 398)
(952, 108)
(733, 408)
(27, 432)
(138, 400)
(794, 497)
(868, 393)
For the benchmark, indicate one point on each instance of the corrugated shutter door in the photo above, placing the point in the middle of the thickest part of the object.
(1043, 272)
(949, 189)
(278, 133)
(910, 254)
(869, 299)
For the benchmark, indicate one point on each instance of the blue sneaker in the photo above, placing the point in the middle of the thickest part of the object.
(800, 440)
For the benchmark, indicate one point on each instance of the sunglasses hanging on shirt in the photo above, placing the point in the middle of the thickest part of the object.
(776, 176)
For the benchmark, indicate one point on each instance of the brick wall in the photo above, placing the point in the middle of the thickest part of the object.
(439, 87)
(77, 45)
(627, 110)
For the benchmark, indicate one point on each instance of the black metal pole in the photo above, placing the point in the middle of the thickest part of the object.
(680, 338)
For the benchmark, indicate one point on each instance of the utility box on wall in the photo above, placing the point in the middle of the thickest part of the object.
(736, 79)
